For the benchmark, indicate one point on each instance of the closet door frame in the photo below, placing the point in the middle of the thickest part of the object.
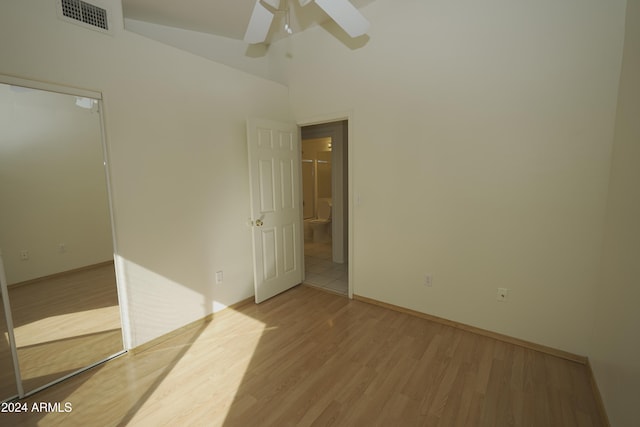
(120, 282)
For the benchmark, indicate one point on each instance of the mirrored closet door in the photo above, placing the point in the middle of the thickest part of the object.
(8, 384)
(55, 237)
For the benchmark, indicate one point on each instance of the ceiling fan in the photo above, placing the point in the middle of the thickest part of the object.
(342, 11)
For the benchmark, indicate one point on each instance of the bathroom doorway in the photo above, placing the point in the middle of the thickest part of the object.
(325, 205)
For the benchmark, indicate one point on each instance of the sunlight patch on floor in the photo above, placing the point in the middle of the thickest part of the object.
(206, 365)
(69, 325)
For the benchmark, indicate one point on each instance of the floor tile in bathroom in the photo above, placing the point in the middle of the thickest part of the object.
(321, 271)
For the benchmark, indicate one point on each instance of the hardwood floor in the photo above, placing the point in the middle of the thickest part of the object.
(311, 358)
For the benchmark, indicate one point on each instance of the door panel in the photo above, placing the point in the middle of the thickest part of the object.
(269, 252)
(289, 247)
(267, 196)
(274, 169)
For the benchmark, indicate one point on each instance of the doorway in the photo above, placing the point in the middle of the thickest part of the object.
(325, 205)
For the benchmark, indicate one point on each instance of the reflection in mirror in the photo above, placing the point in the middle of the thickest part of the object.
(8, 387)
(55, 234)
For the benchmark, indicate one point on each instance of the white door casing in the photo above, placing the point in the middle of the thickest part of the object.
(276, 213)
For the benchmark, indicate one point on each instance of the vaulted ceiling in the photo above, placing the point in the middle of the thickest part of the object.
(226, 18)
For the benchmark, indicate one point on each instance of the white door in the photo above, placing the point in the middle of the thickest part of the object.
(274, 175)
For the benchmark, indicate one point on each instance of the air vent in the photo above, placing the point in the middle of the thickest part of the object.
(85, 14)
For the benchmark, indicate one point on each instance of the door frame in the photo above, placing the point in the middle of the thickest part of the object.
(330, 118)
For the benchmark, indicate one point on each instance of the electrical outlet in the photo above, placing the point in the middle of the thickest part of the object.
(502, 294)
(219, 277)
(428, 280)
(62, 248)
(24, 254)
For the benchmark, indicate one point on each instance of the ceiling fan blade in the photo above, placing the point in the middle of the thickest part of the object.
(346, 16)
(259, 24)
(273, 3)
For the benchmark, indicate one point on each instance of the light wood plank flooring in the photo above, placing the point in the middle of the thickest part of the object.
(311, 358)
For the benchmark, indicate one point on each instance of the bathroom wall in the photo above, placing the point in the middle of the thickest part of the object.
(323, 164)
(308, 188)
(318, 151)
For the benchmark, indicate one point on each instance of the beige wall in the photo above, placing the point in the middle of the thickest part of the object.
(175, 126)
(615, 350)
(52, 187)
(482, 135)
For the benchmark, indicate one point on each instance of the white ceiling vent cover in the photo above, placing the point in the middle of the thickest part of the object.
(84, 14)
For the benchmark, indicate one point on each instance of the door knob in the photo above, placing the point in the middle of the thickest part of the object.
(259, 223)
